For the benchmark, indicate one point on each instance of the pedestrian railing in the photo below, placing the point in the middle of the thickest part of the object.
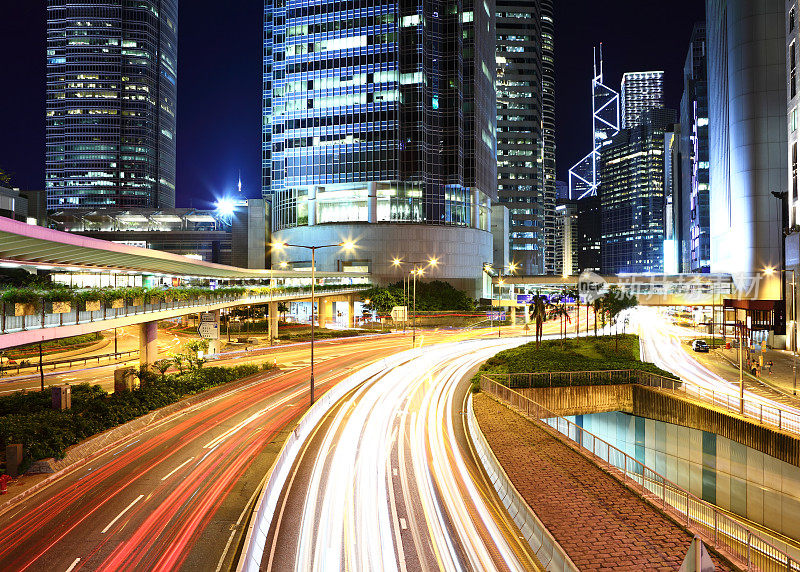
(763, 413)
(576, 378)
(716, 527)
(11, 324)
(33, 363)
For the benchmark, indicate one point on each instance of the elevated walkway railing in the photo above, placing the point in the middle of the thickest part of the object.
(10, 324)
(598, 377)
(726, 534)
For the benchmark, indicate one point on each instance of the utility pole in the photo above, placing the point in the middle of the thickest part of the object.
(41, 367)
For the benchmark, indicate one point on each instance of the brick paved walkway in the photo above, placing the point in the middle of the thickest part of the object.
(600, 523)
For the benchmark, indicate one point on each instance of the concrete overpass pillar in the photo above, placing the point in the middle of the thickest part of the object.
(325, 311)
(273, 322)
(351, 312)
(148, 342)
(372, 203)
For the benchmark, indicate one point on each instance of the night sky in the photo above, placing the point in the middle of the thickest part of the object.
(219, 83)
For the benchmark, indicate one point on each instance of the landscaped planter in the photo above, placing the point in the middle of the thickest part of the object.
(93, 305)
(118, 303)
(21, 309)
(168, 298)
(137, 301)
(60, 307)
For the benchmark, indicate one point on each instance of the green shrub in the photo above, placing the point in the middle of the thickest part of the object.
(576, 355)
(27, 417)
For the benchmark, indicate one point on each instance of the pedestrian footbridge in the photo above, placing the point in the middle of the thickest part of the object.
(105, 285)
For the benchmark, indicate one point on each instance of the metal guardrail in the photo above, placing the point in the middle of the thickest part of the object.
(598, 377)
(40, 320)
(34, 364)
(549, 552)
(714, 526)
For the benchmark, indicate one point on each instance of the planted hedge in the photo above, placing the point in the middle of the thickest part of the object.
(148, 295)
(27, 417)
(582, 354)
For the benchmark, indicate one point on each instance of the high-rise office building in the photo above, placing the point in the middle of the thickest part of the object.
(640, 92)
(549, 133)
(111, 103)
(672, 199)
(380, 127)
(747, 130)
(583, 176)
(632, 196)
(526, 129)
(692, 228)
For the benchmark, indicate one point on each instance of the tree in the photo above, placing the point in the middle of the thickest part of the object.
(283, 307)
(560, 311)
(539, 315)
(191, 353)
(575, 294)
(162, 366)
(597, 306)
(5, 178)
(615, 302)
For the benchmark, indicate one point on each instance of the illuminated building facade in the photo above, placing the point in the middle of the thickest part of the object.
(526, 131)
(583, 176)
(640, 92)
(632, 200)
(693, 229)
(380, 126)
(747, 98)
(111, 103)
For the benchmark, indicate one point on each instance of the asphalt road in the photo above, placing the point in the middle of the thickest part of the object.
(388, 481)
(171, 497)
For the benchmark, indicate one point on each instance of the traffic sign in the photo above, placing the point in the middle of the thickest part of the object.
(208, 330)
(400, 313)
(208, 317)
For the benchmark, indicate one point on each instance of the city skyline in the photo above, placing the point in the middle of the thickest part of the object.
(217, 120)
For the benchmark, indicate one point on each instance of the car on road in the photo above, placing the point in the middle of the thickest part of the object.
(700, 346)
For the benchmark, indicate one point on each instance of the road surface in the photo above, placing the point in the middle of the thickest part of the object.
(387, 480)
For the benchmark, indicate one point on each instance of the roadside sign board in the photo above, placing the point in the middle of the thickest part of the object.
(208, 330)
(208, 317)
(501, 316)
(524, 298)
(400, 313)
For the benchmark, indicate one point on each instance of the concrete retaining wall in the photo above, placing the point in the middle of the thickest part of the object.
(547, 550)
(662, 406)
(665, 407)
(583, 399)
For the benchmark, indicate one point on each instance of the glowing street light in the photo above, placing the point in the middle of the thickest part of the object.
(347, 246)
(488, 269)
(417, 270)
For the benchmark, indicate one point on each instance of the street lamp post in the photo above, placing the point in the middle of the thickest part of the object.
(511, 268)
(347, 246)
(417, 270)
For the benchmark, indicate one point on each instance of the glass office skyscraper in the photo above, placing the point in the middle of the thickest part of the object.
(526, 131)
(381, 116)
(640, 92)
(632, 196)
(111, 103)
(694, 235)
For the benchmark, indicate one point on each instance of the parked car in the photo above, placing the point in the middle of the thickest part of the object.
(700, 346)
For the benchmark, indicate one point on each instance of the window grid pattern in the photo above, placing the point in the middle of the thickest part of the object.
(111, 103)
(363, 97)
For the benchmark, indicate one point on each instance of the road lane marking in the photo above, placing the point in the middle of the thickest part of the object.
(120, 515)
(73, 565)
(403, 524)
(176, 469)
